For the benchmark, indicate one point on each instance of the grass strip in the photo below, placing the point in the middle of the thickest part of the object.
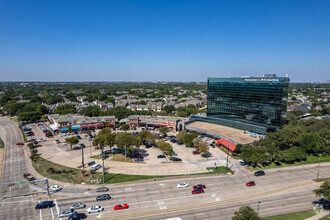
(293, 216)
(74, 175)
(2, 144)
(322, 179)
(23, 133)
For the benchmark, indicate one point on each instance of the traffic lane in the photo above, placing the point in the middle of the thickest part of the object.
(17, 209)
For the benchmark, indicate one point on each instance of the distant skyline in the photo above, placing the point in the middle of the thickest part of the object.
(148, 40)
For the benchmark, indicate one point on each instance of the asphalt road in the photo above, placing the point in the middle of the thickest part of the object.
(280, 191)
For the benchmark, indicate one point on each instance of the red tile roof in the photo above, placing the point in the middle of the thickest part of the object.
(226, 143)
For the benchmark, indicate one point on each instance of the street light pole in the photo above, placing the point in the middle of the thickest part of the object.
(82, 157)
(318, 170)
(258, 207)
(227, 157)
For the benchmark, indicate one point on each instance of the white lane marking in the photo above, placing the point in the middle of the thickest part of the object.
(56, 207)
(128, 189)
(29, 200)
(161, 184)
(51, 211)
(161, 205)
(99, 216)
(40, 212)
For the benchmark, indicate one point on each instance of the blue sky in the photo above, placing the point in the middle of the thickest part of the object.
(158, 40)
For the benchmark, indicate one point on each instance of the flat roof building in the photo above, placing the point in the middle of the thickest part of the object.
(256, 104)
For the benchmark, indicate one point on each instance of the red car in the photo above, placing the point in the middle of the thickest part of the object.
(199, 186)
(20, 143)
(196, 152)
(251, 183)
(197, 191)
(25, 175)
(120, 206)
(30, 134)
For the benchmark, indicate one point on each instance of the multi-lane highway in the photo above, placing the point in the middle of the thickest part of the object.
(280, 191)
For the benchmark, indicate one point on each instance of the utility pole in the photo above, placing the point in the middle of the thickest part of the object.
(227, 157)
(101, 145)
(82, 156)
(318, 170)
(125, 152)
(258, 207)
(47, 187)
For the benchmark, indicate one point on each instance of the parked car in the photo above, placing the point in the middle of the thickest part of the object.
(138, 159)
(196, 152)
(45, 204)
(58, 141)
(103, 197)
(251, 183)
(77, 216)
(20, 143)
(259, 173)
(55, 188)
(199, 186)
(78, 136)
(30, 134)
(82, 145)
(120, 206)
(64, 143)
(105, 156)
(76, 148)
(96, 167)
(95, 209)
(67, 213)
(161, 156)
(182, 185)
(175, 159)
(78, 205)
(30, 139)
(25, 175)
(212, 145)
(102, 189)
(197, 191)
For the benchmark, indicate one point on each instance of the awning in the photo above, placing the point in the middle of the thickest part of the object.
(85, 126)
(163, 125)
(226, 143)
(64, 129)
(100, 125)
(91, 126)
(110, 124)
(76, 127)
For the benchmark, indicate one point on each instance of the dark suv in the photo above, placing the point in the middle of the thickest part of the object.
(103, 197)
(77, 216)
(259, 173)
(45, 204)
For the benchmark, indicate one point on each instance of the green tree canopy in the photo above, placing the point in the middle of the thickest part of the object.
(181, 135)
(188, 138)
(125, 127)
(128, 140)
(91, 111)
(72, 140)
(65, 109)
(324, 190)
(293, 154)
(246, 213)
(164, 130)
(165, 147)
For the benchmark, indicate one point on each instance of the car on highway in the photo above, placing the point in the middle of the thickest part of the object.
(45, 204)
(102, 189)
(77, 216)
(201, 186)
(103, 197)
(182, 185)
(95, 209)
(259, 173)
(196, 152)
(20, 143)
(30, 178)
(67, 213)
(55, 188)
(197, 191)
(251, 183)
(120, 206)
(78, 205)
(161, 156)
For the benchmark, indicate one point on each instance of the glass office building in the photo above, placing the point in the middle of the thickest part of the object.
(256, 104)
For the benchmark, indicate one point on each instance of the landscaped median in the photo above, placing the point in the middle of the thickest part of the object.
(310, 160)
(293, 216)
(58, 172)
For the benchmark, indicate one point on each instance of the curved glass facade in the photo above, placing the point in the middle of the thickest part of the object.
(257, 104)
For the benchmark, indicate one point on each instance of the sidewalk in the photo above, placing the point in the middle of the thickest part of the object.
(319, 216)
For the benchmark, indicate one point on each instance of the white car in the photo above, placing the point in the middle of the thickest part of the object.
(30, 139)
(64, 143)
(67, 213)
(95, 209)
(42, 140)
(183, 185)
(55, 188)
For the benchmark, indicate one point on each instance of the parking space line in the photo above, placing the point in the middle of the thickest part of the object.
(56, 207)
(51, 211)
(40, 213)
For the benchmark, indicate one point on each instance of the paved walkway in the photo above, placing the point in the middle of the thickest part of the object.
(320, 215)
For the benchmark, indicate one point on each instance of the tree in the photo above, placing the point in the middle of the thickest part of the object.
(165, 147)
(144, 134)
(293, 154)
(71, 97)
(127, 140)
(72, 140)
(324, 190)
(196, 141)
(30, 116)
(246, 213)
(312, 142)
(188, 139)
(125, 127)
(164, 130)
(169, 109)
(203, 147)
(181, 135)
(65, 109)
(91, 111)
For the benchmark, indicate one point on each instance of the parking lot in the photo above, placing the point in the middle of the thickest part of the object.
(60, 153)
